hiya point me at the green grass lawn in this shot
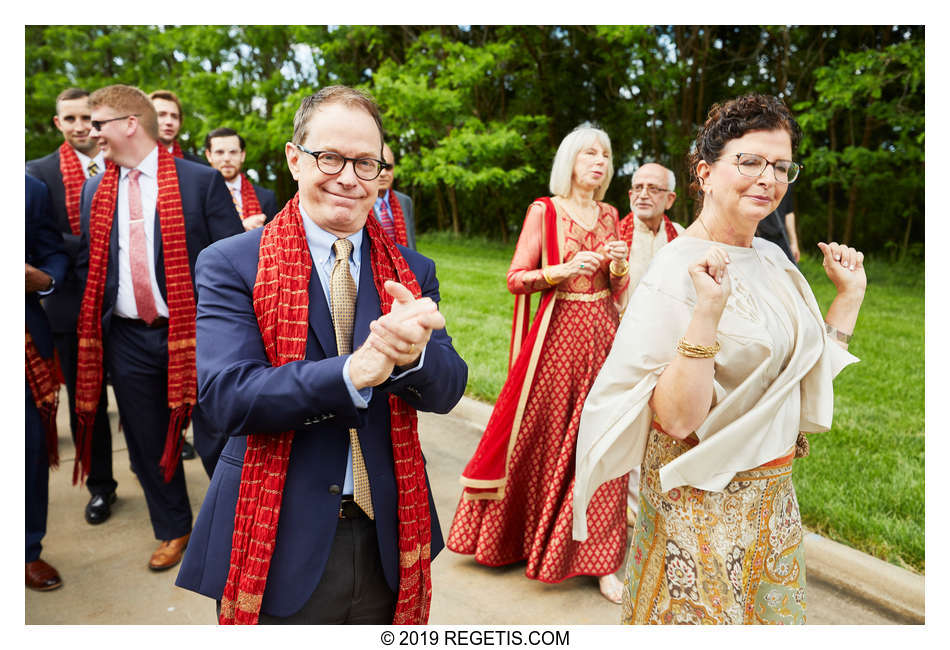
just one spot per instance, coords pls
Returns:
(863, 483)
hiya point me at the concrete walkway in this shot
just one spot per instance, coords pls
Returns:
(107, 582)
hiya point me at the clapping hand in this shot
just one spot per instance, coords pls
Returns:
(395, 339)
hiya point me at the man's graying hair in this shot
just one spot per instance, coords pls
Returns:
(345, 95)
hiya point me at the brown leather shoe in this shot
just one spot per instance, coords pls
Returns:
(168, 554)
(42, 577)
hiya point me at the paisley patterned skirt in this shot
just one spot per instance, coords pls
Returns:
(730, 557)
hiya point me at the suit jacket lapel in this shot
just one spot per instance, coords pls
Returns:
(321, 323)
(367, 300)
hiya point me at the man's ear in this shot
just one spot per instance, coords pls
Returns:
(293, 160)
(669, 200)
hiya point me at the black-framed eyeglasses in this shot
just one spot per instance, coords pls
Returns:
(750, 164)
(330, 162)
(97, 124)
(652, 189)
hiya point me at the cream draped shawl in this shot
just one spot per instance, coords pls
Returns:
(773, 374)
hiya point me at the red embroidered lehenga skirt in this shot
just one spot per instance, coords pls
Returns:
(533, 520)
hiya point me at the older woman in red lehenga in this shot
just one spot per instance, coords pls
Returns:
(517, 502)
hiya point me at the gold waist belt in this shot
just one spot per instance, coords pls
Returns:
(583, 297)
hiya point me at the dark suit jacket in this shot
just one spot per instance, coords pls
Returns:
(405, 202)
(209, 216)
(62, 306)
(268, 201)
(201, 160)
(238, 385)
(44, 250)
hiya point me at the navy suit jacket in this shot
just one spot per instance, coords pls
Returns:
(242, 392)
(62, 306)
(268, 201)
(209, 216)
(44, 250)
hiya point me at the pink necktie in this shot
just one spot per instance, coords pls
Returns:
(386, 220)
(138, 253)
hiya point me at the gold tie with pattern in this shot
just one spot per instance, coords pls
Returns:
(93, 168)
(343, 302)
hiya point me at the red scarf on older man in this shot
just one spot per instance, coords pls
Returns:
(182, 377)
(281, 304)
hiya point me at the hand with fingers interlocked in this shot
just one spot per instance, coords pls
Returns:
(396, 339)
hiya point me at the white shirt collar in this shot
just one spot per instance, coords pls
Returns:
(148, 166)
(234, 184)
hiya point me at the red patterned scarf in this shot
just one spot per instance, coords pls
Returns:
(281, 304)
(399, 220)
(176, 149)
(73, 177)
(249, 203)
(41, 377)
(627, 226)
(182, 381)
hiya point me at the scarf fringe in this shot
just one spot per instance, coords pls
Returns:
(174, 440)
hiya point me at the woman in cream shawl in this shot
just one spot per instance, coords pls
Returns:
(720, 365)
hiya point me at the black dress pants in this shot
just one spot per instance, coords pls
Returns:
(353, 589)
(100, 480)
(137, 359)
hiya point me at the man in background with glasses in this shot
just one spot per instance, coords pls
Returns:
(317, 337)
(646, 229)
(394, 209)
(143, 222)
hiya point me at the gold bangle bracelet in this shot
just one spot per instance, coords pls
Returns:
(697, 351)
(626, 269)
(547, 278)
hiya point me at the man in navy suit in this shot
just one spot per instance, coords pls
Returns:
(46, 264)
(135, 351)
(72, 119)
(226, 150)
(333, 561)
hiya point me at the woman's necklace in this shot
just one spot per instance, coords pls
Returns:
(592, 211)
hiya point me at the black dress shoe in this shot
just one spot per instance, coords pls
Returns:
(99, 508)
(187, 451)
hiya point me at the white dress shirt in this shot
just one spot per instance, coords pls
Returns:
(148, 183)
(84, 161)
(234, 187)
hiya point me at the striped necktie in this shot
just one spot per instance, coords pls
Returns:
(236, 197)
(93, 168)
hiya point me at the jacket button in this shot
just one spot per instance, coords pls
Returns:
(335, 489)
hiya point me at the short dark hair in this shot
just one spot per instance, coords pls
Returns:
(733, 119)
(170, 96)
(68, 94)
(222, 132)
(335, 95)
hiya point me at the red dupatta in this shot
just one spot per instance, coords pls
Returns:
(486, 474)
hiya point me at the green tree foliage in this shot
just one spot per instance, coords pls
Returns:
(474, 113)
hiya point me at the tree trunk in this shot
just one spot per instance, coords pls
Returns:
(853, 194)
(830, 231)
(455, 210)
(440, 206)
(906, 242)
